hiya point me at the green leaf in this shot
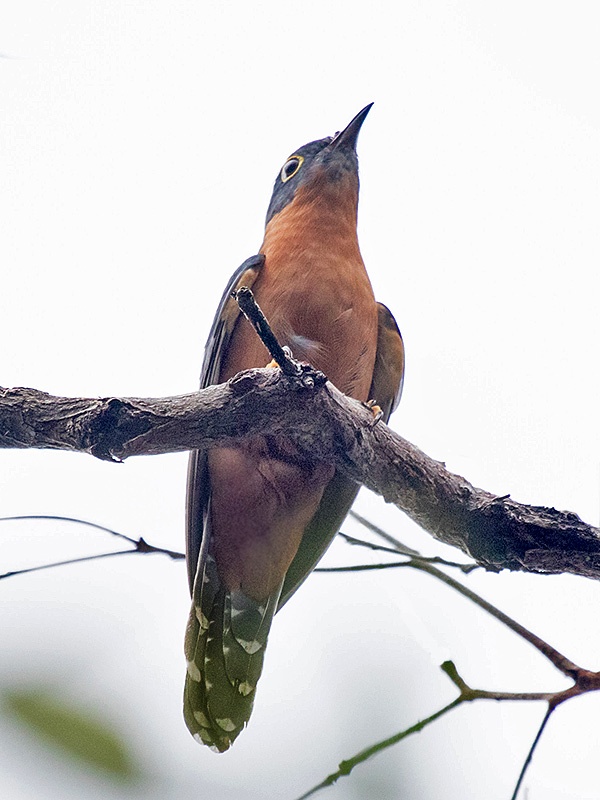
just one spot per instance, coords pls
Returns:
(76, 731)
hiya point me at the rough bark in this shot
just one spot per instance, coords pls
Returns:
(497, 532)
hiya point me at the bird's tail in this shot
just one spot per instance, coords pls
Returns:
(225, 645)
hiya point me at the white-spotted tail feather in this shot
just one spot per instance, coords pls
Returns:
(225, 644)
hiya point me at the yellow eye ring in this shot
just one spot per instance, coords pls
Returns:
(291, 167)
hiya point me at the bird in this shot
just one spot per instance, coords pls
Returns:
(260, 514)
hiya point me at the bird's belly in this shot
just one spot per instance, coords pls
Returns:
(260, 506)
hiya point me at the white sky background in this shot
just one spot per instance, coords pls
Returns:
(138, 147)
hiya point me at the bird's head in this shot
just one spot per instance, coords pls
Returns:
(326, 168)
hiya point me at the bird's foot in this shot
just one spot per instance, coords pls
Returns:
(375, 410)
(273, 364)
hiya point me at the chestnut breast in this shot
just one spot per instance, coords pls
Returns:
(315, 292)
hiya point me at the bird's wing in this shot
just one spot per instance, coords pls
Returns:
(388, 373)
(227, 633)
(386, 389)
(198, 488)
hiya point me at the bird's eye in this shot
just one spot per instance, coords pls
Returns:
(291, 167)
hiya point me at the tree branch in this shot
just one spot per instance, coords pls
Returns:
(497, 532)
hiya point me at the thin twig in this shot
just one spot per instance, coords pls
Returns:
(365, 567)
(466, 694)
(57, 518)
(139, 545)
(39, 568)
(561, 662)
(470, 694)
(346, 767)
(387, 537)
(253, 313)
(466, 568)
(535, 743)
(372, 546)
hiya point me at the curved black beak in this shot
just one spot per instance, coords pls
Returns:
(347, 138)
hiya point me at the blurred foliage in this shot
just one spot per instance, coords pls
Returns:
(72, 729)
